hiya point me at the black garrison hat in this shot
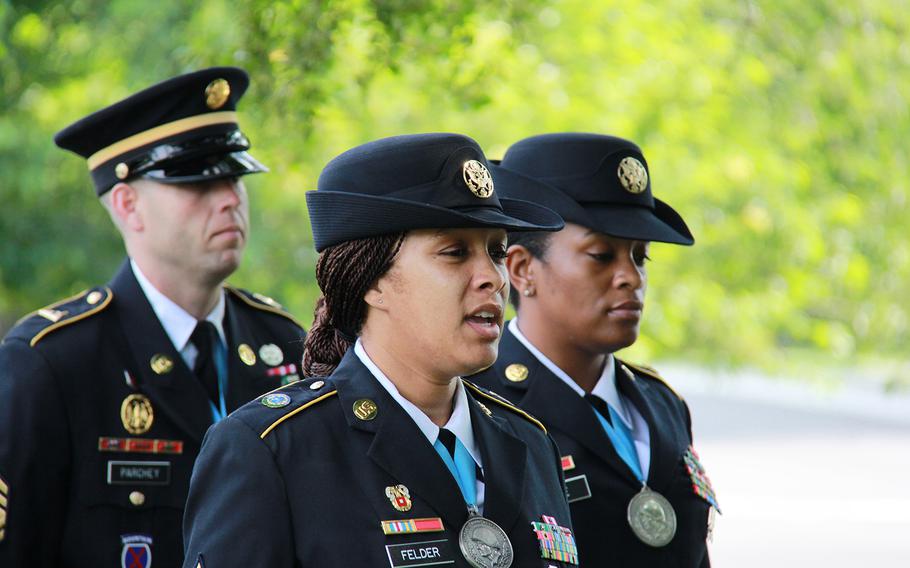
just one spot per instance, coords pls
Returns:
(418, 181)
(605, 177)
(182, 130)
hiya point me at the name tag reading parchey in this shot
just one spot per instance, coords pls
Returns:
(427, 553)
(138, 472)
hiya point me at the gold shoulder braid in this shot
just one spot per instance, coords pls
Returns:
(504, 403)
(68, 311)
(651, 372)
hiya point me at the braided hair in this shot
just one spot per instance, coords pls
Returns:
(344, 273)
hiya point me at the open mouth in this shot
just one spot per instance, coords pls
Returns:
(486, 321)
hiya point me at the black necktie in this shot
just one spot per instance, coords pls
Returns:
(447, 438)
(204, 337)
(600, 405)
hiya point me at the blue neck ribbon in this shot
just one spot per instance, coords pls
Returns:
(220, 354)
(622, 440)
(462, 468)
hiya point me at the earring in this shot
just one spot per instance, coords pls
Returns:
(528, 292)
(379, 301)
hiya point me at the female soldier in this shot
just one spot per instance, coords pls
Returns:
(384, 455)
(637, 492)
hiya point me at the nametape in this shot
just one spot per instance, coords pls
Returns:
(140, 445)
(429, 553)
(578, 488)
(138, 473)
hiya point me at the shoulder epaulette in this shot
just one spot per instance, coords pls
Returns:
(38, 324)
(501, 401)
(262, 302)
(292, 399)
(651, 372)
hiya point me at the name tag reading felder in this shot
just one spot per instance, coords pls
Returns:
(428, 553)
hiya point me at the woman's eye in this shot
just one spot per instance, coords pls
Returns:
(641, 258)
(604, 257)
(456, 252)
(499, 253)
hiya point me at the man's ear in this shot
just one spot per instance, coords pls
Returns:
(123, 200)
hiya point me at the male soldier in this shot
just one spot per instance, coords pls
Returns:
(105, 397)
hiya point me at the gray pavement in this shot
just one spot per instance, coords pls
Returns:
(805, 478)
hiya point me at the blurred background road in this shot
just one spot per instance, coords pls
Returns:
(805, 478)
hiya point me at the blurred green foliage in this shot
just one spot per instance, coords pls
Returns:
(775, 127)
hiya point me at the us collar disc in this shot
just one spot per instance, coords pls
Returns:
(652, 518)
(516, 372)
(478, 179)
(632, 175)
(484, 544)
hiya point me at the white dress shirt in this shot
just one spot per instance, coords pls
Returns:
(605, 388)
(459, 423)
(177, 322)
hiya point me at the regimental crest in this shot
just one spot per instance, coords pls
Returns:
(399, 496)
(701, 485)
(137, 414)
(478, 179)
(137, 551)
(556, 542)
(632, 175)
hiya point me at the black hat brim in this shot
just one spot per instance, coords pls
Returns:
(206, 168)
(337, 217)
(663, 224)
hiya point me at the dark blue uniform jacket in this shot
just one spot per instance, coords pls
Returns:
(600, 484)
(305, 484)
(81, 490)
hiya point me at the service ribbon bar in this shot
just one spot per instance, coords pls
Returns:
(556, 542)
(410, 526)
(140, 445)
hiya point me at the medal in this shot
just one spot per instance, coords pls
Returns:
(483, 543)
(652, 518)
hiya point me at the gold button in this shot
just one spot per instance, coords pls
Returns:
(137, 498)
(317, 385)
(217, 93)
(516, 372)
(121, 170)
(94, 297)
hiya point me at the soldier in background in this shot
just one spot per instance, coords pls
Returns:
(105, 396)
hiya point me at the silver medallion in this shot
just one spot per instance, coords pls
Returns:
(652, 518)
(484, 544)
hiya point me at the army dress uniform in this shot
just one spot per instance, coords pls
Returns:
(334, 472)
(600, 485)
(602, 183)
(101, 416)
(102, 420)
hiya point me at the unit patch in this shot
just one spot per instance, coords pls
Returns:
(140, 445)
(428, 553)
(409, 526)
(577, 488)
(556, 542)
(138, 472)
(137, 551)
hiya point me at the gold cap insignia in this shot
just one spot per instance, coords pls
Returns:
(399, 496)
(632, 175)
(478, 179)
(271, 354)
(161, 364)
(246, 354)
(94, 297)
(217, 93)
(137, 498)
(137, 414)
(516, 372)
(121, 170)
(365, 409)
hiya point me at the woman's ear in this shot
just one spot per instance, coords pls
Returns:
(374, 297)
(521, 271)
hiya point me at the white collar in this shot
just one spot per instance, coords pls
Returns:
(177, 322)
(459, 423)
(605, 387)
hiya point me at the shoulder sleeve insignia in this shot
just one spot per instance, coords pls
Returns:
(493, 397)
(38, 324)
(291, 400)
(649, 372)
(261, 302)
